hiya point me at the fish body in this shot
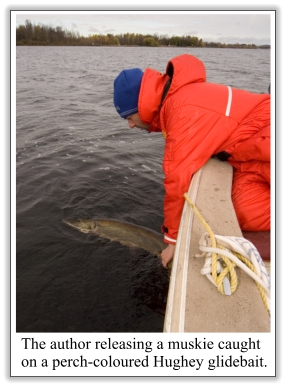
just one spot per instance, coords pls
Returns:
(127, 234)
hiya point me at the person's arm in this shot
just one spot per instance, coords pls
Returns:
(193, 136)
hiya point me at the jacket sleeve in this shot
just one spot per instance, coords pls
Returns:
(193, 136)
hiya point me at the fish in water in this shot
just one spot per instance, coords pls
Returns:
(127, 234)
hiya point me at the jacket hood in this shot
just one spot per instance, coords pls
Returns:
(151, 91)
(183, 69)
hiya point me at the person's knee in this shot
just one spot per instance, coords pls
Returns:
(251, 202)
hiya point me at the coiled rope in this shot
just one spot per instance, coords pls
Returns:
(227, 252)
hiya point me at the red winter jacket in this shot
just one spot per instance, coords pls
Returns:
(199, 119)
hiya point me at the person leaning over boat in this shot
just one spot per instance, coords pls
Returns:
(199, 120)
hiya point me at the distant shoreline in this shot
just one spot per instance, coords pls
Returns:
(41, 35)
(263, 47)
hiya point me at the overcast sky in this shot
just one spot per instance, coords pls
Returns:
(225, 27)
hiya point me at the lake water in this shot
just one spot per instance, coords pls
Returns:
(76, 158)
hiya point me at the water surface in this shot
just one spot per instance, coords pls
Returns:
(76, 158)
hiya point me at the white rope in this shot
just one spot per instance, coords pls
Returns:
(207, 270)
(241, 246)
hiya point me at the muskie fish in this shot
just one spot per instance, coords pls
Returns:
(127, 234)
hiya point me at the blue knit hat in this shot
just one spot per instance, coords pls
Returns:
(126, 91)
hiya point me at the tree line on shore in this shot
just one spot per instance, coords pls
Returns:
(41, 35)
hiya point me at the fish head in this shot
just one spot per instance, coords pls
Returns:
(83, 225)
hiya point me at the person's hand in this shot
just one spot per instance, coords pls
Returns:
(167, 254)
